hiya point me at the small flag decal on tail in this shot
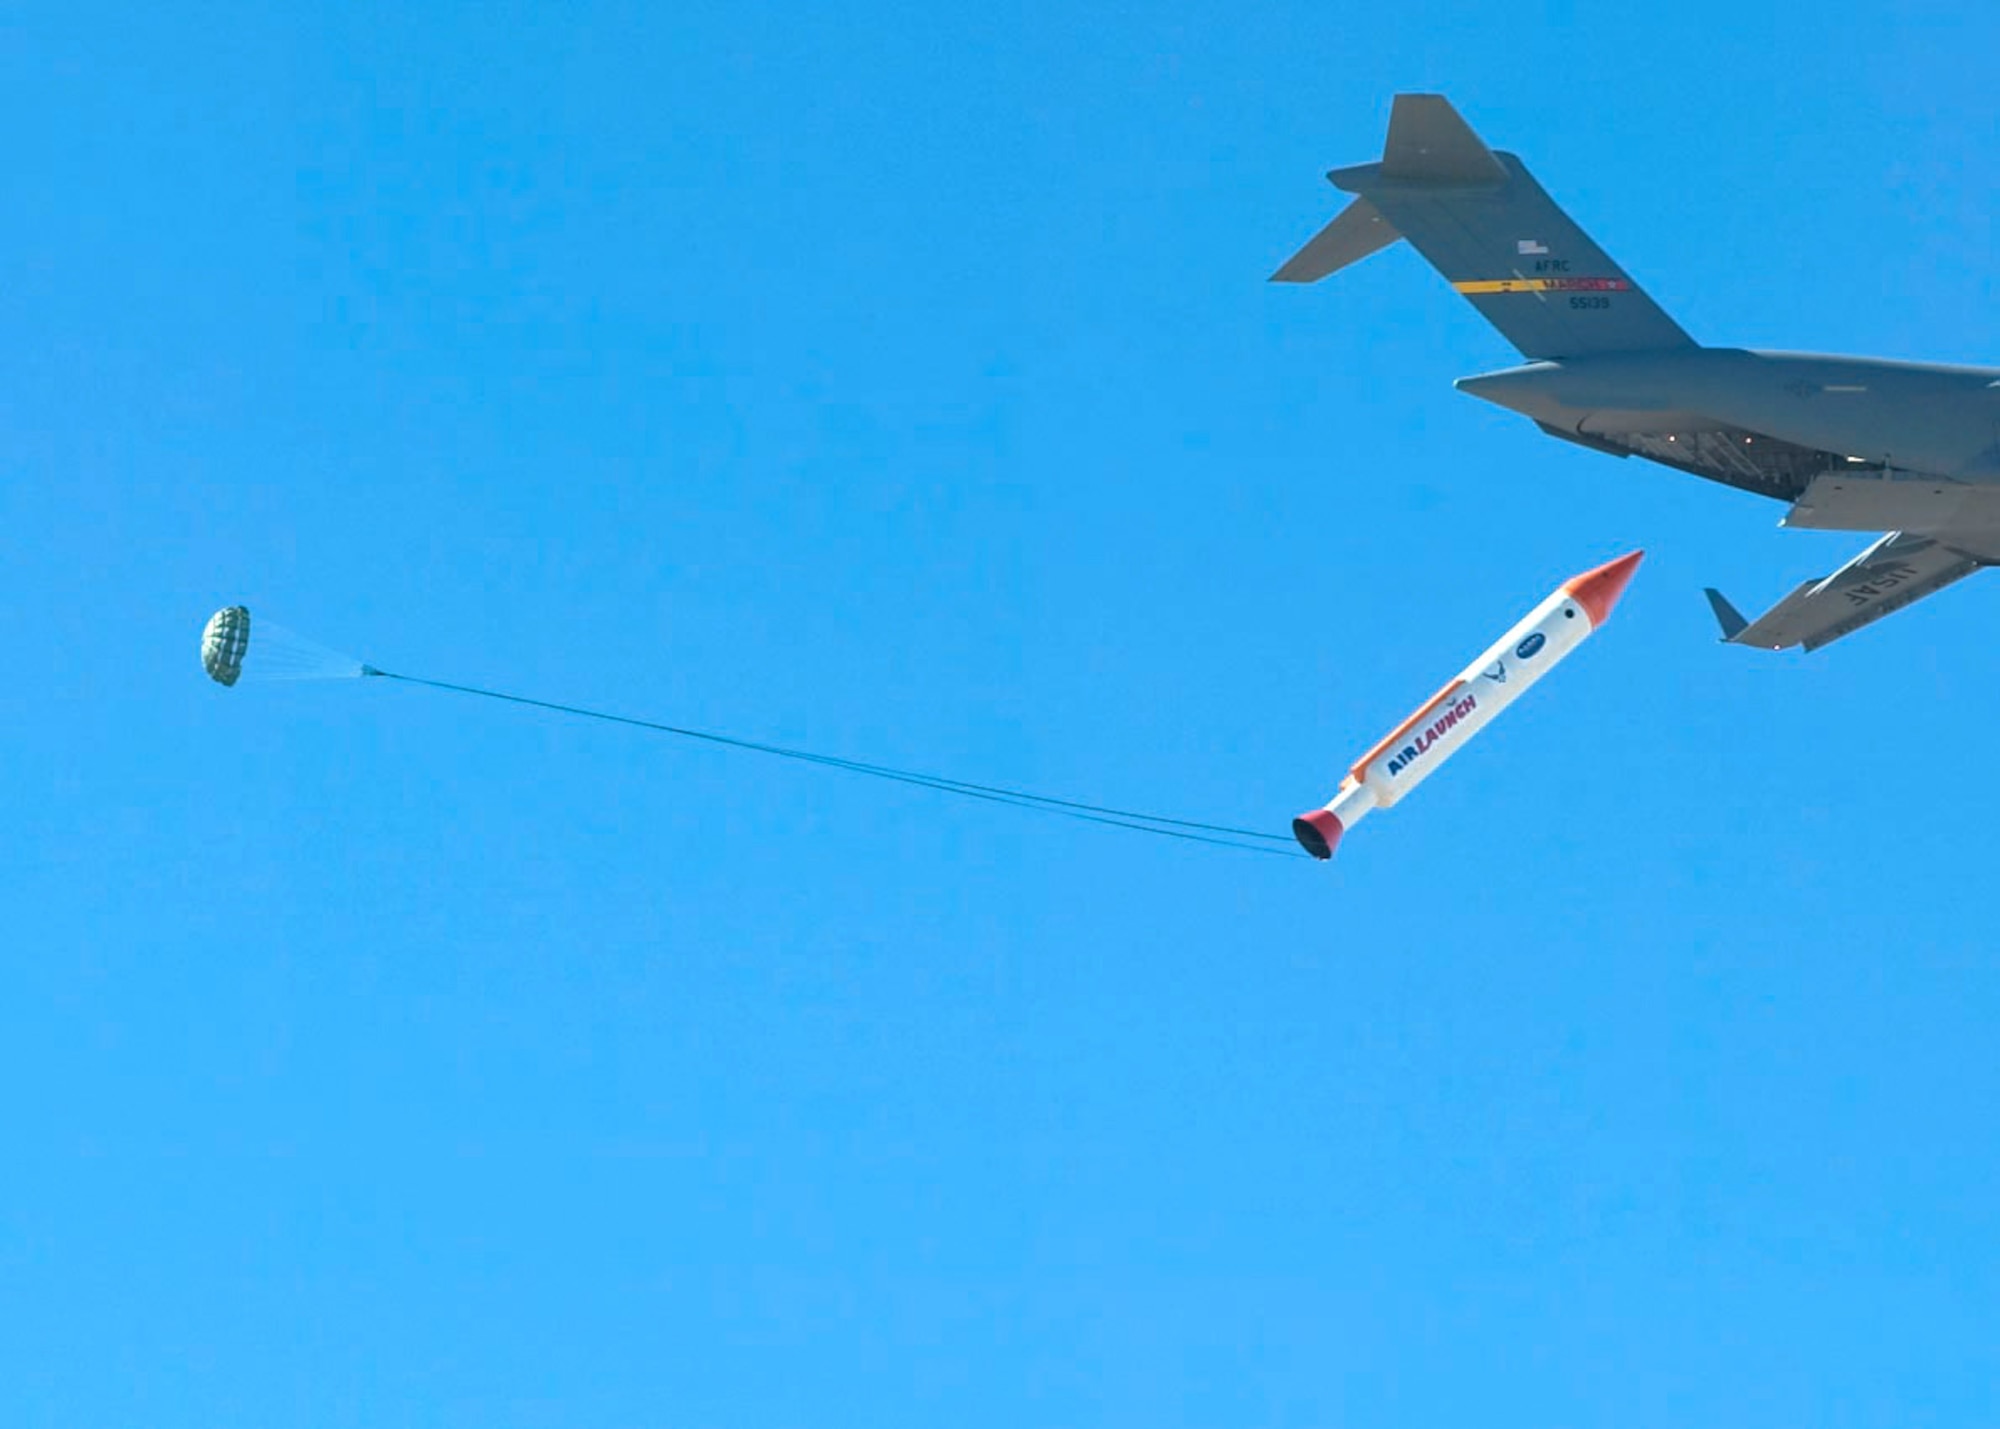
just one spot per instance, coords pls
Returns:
(1529, 245)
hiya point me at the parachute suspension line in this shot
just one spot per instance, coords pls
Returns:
(1193, 831)
(281, 653)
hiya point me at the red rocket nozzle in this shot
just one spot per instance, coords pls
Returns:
(1597, 591)
(1318, 832)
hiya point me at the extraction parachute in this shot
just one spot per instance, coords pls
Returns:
(224, 641)
(227, 654)
(279, 654)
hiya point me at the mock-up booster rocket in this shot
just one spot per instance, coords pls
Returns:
(1443, 724)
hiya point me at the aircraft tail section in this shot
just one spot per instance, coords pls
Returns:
(1478, 217)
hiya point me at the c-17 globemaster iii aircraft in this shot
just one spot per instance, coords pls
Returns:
(1852, 444)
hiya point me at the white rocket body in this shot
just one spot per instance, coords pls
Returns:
(1445, 723)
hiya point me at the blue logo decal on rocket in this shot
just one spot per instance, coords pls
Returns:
(1528, 648)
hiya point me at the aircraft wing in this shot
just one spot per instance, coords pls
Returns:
(1898, 570)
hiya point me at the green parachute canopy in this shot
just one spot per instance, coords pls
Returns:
(225, 640)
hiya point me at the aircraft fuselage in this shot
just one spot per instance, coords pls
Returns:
(1937, 420)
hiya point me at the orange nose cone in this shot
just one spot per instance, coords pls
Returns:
(1597, 591)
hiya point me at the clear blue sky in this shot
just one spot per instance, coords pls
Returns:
(903, 382)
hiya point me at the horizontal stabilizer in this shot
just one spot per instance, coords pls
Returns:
(1358, 231)
(1897, 571)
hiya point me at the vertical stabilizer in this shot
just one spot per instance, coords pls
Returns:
(1478, 217)
(1430, 144)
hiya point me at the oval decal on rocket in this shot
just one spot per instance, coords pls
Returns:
(1528, 648)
